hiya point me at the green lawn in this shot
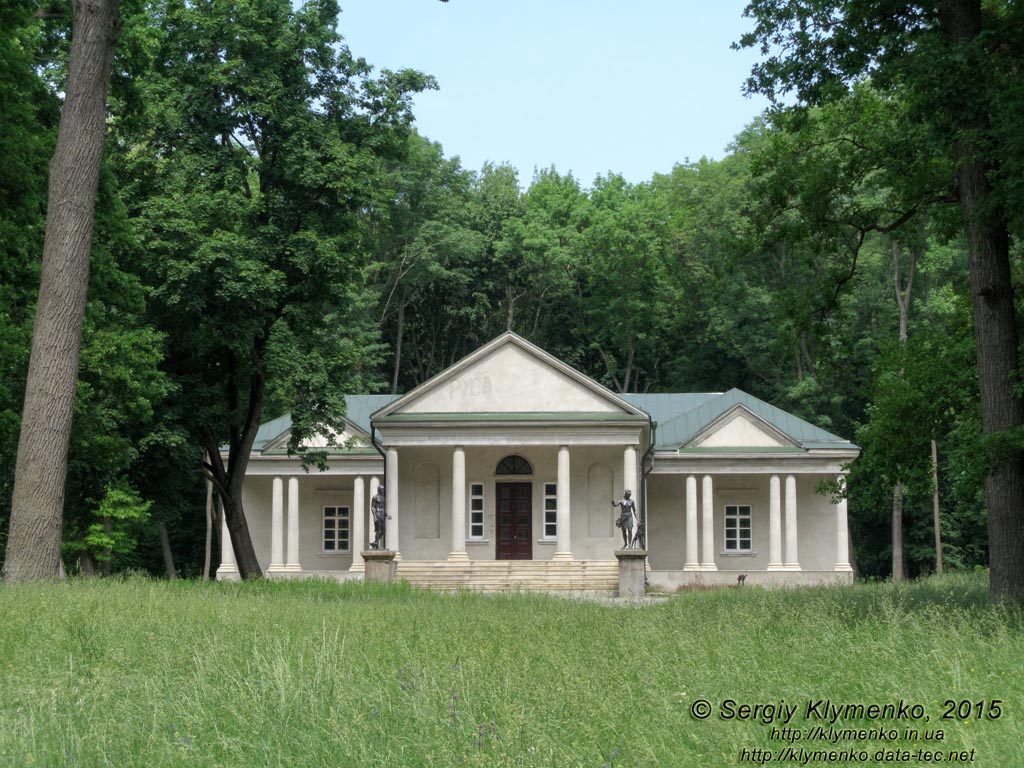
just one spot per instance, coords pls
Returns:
(151, 673)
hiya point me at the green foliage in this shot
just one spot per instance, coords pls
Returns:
(923, 389)
(115, 526)
(255, 153)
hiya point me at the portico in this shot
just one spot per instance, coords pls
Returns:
(501, 471)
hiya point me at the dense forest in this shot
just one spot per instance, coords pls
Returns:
(271, 232)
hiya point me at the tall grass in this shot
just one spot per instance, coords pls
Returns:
(152, 673)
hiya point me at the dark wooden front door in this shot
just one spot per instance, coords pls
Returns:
(515, 522)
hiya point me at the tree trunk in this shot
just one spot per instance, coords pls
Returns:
(165, 549)
(898, 569)
(935, 508)
(208, 550)
(398, 346)
(37, 502)
(229, 479)
(995, 322)
(241, 541)
(87, 565)
(108, 555)
(903, 291)
(510, 308)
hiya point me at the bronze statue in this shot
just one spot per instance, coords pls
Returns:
(379, 510)
(626, 519)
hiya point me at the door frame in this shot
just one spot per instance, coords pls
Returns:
(528, 484)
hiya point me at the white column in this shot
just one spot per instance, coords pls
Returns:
(775, 524)
(277, 527)
(458, 505)
(391, 494)
(792, 559)
(692, 558)
(358, 525)
(228, 570)
(842, 538)
(629, 473)
(708, 524)
(293, 565)
(563, 541)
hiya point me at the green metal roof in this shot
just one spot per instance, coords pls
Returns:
(680, 417)
(357, 409)
(683, 427)
(506, 416)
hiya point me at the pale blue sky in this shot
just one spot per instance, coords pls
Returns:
(589, 86)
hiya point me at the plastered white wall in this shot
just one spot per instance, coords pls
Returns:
(507, 381)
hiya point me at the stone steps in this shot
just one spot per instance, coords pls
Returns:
(513, 575)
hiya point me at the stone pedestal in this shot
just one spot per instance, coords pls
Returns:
(632, 571)
(380, 565)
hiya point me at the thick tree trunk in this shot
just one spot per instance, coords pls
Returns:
(165, 550)
(995, 322)
(37, 502)
(241, 541)
(898, 569)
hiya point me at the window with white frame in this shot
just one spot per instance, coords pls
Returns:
(476, 510)
(336, 531)
(737, 528)
(550, 510)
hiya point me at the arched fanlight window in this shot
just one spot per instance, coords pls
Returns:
(514, 465)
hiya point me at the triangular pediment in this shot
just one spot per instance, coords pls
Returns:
(351, 435)
(741, 428)
(510, 375)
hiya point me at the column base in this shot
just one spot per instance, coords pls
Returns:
(357, 568)
(228, 573)
(292, 568)
(844, 567)
(775, 567)
(691, 566)
(708, 567)
(458, 557)
(563, 556)
(791, 567)
(276, 568)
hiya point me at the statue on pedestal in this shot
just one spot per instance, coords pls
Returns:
(627, 519)
(379, 510)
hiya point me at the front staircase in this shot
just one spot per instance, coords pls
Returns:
(593, 576)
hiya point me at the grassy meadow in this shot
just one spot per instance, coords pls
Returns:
(140, 672)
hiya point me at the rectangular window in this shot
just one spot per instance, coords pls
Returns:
(737, 528)
(476, 510)
(550, 510)
(336, 530)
